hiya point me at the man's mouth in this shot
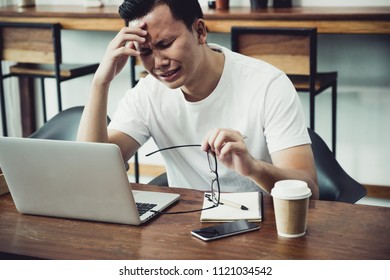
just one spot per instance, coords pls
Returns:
(168, 73)
(169, 76)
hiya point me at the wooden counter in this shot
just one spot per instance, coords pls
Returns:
(339, 20)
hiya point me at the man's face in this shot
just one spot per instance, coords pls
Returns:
(170, 50)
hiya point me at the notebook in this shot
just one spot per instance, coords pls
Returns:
(76, 180)
(234, 206)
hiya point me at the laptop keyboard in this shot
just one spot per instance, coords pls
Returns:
(144, 207)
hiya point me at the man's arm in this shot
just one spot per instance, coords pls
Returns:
(93, 124)
(292, 163)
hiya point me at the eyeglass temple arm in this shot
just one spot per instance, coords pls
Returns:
(173, 147)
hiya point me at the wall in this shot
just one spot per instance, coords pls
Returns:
(363, 64)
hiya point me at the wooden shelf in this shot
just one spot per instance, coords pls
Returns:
(339, 20)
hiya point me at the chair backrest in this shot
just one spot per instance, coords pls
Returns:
(333, 182)
(30, 42)
(292, 50)
(63, 126)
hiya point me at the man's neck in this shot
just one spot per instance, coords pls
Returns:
(207, 78)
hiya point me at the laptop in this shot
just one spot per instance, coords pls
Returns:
(75, 180)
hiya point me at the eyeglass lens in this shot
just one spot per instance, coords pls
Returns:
(215, 188)
(212, 161)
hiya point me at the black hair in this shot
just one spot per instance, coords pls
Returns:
(185, 10)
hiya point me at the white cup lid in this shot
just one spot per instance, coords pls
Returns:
(291, 189)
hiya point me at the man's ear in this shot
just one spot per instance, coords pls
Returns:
(201, 30)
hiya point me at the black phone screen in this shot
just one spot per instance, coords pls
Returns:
(224, 230)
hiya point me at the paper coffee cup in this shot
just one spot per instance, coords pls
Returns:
(291, 204)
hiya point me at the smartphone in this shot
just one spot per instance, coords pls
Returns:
(224, 230)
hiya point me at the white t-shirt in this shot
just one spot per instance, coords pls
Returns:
(252, 97)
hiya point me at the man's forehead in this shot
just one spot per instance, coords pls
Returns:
(160, 25)
(155, 37)
(160, 14)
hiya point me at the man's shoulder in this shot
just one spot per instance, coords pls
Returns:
(239, 62)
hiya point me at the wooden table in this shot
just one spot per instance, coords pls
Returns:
(335, 231)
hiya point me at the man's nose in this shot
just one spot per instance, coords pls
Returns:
(160, 60)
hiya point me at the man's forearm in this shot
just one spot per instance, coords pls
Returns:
(93, 124)
(266, 175)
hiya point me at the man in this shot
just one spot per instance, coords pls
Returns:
(243, 110)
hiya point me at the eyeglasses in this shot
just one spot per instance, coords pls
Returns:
(215, 186)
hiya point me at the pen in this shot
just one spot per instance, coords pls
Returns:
(232, 204)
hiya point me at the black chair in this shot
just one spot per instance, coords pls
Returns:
(294, 51)
(63, 126)
(160, 180)
(35, 48)
(333, 182)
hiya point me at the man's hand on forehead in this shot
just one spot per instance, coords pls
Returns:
(137, 23)
(137, 32)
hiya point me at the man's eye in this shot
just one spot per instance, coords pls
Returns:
(167, 45)
(145, 52)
